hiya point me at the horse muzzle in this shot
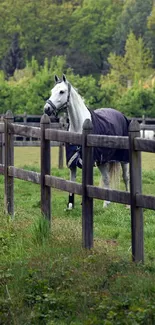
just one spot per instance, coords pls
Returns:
(50, 108)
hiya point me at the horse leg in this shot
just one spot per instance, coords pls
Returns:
(105, 173)
(125, 174)
(70, 204)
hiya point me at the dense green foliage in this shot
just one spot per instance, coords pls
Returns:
(137, 102)
(84, 30)
(29, 88)
(104, 47)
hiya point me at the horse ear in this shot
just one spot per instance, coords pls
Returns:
(56, 78)
(64, 78)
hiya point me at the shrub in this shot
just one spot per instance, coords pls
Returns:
(138, 101)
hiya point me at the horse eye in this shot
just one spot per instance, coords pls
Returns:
(61, 92)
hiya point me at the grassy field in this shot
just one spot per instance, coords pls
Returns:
(31, 157)
(48, 279)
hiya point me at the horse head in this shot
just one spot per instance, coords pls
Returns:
(60, 95)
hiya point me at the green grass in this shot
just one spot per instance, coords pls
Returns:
(31, 157)
(46, 276)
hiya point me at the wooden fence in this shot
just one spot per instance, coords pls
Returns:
(60, 123)
(45, 133)
(57, 123)
(29, 141)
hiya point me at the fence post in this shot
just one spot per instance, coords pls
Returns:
(2, 153)
(9, 161)
(61, 156)
(136, 187)
(143, 122)
(25, 122)
(62, 122)
(1, 149)
(45, 168)
(87, 179)
(1, 145)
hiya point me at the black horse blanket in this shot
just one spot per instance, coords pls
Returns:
(106, 121)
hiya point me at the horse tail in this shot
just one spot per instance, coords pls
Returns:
(114, 169)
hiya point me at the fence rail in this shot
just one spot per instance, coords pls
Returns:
(31, 136)
(135, 198)
(32, 139)
(62, 122)
(35, 118)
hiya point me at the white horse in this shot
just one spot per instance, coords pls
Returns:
(64, 96)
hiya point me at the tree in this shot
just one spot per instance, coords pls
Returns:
(133, 18)
(151, 32)
(85, 31)
(151, 18)
(13, 59)
(135, 64)
(92, 30)
(43, 27)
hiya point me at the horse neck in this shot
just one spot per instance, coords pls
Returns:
(77, 112)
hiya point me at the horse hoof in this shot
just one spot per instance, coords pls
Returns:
(127, 206)
(105, 204)
(69, 207)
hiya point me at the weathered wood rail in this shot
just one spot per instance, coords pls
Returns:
(135, 198)
(57, 123)
(32, 139)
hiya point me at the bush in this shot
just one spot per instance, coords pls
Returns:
(28, 90)
(5, 96)
(110, 93)
(138, 101)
